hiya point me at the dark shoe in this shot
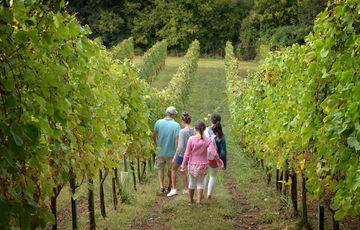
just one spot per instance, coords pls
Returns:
(161, 191)
(209, 198)
(190, 202)
(168, 189)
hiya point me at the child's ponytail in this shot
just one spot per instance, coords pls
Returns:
(200, 126)
(215, 119)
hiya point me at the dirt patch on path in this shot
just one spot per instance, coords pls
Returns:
(245, 216)
(152, 220)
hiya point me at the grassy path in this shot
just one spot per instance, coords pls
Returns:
(242, 200)
(174, 212)
(166, 74)
(229, 208)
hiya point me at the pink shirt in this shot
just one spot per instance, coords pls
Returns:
(196, 152)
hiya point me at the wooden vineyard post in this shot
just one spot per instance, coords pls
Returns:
(53, 204)
(138, 169)
(153, 158)
(277, 179)
(133, 173)
(102, 198)
(73, 201)
(281, 183)
(304, 204)
(335, 223)
(91, 205)
(143, 170)
(294, 199)
(113, 180)
(321, 217)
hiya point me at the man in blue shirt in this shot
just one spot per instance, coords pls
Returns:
(166, 136)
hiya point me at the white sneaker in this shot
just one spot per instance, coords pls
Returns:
(173, 192)
(186, 191)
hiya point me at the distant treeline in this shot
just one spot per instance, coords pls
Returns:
(247, 23)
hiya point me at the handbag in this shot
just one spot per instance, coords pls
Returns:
(209, 133)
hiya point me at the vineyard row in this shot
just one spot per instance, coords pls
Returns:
(299, 113)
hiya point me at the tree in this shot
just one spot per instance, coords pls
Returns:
(110, 20)
(180, 22)
(277, 24)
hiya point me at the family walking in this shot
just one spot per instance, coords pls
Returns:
(196, 149)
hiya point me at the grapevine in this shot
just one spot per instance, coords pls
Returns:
(67, 109)
(302, 108)
(152, 61)
(124, 49)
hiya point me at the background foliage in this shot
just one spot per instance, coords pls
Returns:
(213, 22)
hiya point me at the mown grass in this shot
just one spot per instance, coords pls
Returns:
(166, 74)
(208, 91)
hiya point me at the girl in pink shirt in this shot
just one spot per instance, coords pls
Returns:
(196, 156)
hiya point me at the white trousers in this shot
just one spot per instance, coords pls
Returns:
(212, 180)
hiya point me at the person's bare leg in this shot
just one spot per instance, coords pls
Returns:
(184, 176)
(200, 195)
(169, 178)
(173, 174)
(191, 194)
(161, 177)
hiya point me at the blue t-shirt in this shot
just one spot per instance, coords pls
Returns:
(167, 130)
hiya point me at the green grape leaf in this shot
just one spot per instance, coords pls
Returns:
(340, 214)
(32, 132)
(6, 14)
(16, 132)
(324, 52)
(353, 142)
(30, 21)
(11, 102)
(21, 36)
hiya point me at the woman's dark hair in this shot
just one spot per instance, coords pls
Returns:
(215, 119)
(185, 116)
(200, 126)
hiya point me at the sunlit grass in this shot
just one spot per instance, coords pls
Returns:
(166, 74)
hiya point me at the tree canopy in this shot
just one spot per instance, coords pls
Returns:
(213, 22)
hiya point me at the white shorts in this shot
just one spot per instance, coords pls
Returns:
(199, 182)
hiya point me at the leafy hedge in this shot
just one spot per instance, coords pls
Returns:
(301, 109)
(177, 90)
(124, 49)
(152, 61)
